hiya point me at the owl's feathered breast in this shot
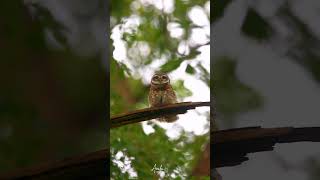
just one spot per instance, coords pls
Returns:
(161, 95)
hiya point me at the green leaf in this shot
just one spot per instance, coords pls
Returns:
(256, 26)
(120, 8)
(219, 7)
(190, 69)
(180, 89)
(194, 52)
(171, 65)
(232, 96)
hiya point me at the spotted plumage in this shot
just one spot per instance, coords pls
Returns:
(161, 93)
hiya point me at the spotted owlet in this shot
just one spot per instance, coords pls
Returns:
(161, 93)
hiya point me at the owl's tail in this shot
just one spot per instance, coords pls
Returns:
(168, 119)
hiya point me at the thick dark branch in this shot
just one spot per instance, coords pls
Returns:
(95, 165)
(154, 112)
(89, 166)
(230, 147)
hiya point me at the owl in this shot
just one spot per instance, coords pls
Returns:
(161, 93)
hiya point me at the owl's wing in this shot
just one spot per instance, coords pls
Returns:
(173, 96)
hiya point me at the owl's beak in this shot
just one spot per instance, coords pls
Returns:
(155, 82)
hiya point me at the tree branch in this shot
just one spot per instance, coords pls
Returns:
(154, 112)
(95, 165)
(230, 147)
(89, 166)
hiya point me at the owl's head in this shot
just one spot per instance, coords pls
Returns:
(160, 79)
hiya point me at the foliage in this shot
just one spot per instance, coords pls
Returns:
(219, 8)
(255, 26)
(52, 100)
(232, 96)
(154, 149)
(263, 28)
(148, 41)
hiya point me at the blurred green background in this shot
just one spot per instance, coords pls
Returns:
(52, 98)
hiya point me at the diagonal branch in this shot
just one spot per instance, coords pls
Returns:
(95, 165)
(230, 147)
(154, 112)
(89, 166)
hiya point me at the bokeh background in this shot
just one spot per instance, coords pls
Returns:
(266, 67)
(53, 78)
(172, 36)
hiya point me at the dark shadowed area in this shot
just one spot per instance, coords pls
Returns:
(53, 80)
(266, 67)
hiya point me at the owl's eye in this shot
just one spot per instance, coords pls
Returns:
(155, 78)
(164, 77)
